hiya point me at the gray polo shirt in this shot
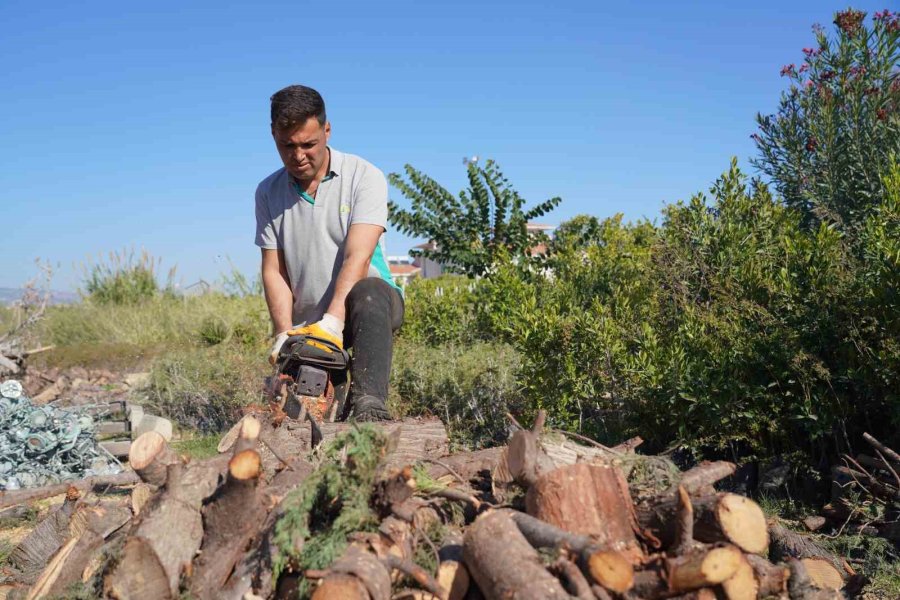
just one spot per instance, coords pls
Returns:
(312, 231)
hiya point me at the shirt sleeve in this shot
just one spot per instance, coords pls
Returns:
(370, 199)
(265, 228)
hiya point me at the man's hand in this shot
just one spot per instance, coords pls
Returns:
(280, 339)
(330, 329)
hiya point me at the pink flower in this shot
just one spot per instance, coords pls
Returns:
(788, 70)
(804, 68)
(849, 21)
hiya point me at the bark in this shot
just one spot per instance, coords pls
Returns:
(67, 566)
(150, 456)
(12, 498)
(162, 544)
(357, 574)
(576, 583)
(587, 499)
(503, 563)
(771, 580)
(607, 568)
(231, 517)
(412, 439)
(468, 466)
(253, 570)
(30, 556)
(790, 544)
(664, 577)
(887, 452)
(452, 573)
(705, 474)
(526, 460)
(722, 517)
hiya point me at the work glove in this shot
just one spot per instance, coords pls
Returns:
(280, 339)
(329, 329)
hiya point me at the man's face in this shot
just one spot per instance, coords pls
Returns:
(303, 150)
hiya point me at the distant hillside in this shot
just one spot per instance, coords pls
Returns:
(10, 295)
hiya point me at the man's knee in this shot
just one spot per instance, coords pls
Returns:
(367, 292)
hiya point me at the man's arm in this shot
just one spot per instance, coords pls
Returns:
(277, 288)
(361, 241)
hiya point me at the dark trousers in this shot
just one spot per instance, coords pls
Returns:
(374, 312)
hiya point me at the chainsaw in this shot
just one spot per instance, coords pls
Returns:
(311, 375)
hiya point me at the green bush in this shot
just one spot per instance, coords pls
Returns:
(205, 388)
(439, 311)
(836, 126)
(470, 387)
(123, 279)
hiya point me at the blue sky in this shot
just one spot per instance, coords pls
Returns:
(146, 125)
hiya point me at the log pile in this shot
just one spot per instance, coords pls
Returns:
(271, 517)
(865, 494)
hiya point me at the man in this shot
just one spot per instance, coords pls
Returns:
(319, 223)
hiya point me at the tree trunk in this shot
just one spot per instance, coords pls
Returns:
(705, 475)
(720, 518)
(14, 497)
(588, 499)
(503, 563)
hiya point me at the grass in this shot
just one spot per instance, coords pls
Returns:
(198, 447)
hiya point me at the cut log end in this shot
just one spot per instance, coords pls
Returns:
(245, 465)
(705, 568)
(611, 570)
(744, 523)
(250, 427)
(823, 574)
(341, 587)
(743, 584)
(145, 449)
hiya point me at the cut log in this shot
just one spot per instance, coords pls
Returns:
(416, 438)
(719, 518)
(587, 499)
(504, 564)
(705, 474)
(66, 566)
(526, 459)
(452, 573)
(468, 466)
(356, 571)
(161, 546)
(888, 453)
(14, 497)
(607, 568)
(791, 544)
(30, 556)
(150, 456)
(230, 519)
(140, 495)
(743, 585)
(663, 577)
(801, 587)
(771, 580)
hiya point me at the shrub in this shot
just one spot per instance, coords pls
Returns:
(205, 389)
(123, 279)
(836, 127)
(470, 387)
(439, 311)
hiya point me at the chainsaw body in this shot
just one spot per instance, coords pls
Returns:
(315, 370)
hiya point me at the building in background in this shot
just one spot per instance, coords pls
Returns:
(403, 269)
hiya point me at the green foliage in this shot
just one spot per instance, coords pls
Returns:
(439, 310)
(123, 279)
(839, 122)
(469, 231)
(205, 388)
(198, 447)
(214, 330)
(331, 503)
(469, 386)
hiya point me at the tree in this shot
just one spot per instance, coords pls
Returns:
(470, 231)
(839, 122)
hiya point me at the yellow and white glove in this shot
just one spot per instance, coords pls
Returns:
(329, 328)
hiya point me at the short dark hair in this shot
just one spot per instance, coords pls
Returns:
(295, 104)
